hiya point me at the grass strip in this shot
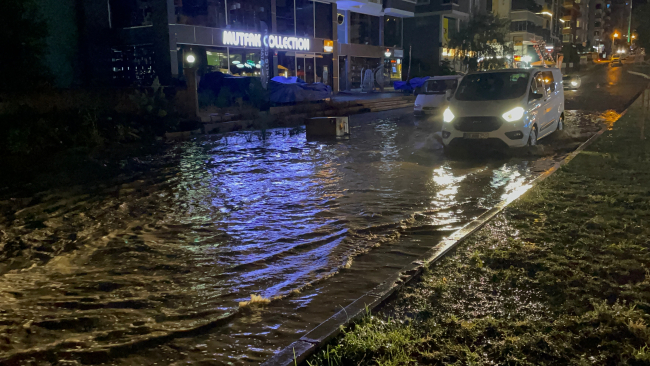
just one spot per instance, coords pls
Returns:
(561, 277)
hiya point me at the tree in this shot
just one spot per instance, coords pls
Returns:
(24, 48)
(640, 17)
(483, 42)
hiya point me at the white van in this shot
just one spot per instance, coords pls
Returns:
(432, 98)
(514, 106)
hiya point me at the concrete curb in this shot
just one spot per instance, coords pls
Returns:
(638, 74)
(298, 351)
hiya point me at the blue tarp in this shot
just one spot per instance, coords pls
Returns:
(410, 85)
(293, 89)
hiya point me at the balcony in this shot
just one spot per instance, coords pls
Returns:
(399, 8)
(567, 31)
(526, 15)
(370, 7)
(567, 18)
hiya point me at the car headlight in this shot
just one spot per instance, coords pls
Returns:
(447, 116)
(514, 114)
(574, 83)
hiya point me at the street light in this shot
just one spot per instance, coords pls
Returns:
(190, 59)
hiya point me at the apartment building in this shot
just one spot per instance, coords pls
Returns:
(122, 42)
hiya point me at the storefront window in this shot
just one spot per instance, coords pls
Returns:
(284, 17)
(324, 69)
(364, 29)
(304, 18)
(324, 21)
(207, 13)
(217, 59)
(392, 71)
(392, 31)
(249, 14)
(286, 64)
(244, 62)
(358, 67)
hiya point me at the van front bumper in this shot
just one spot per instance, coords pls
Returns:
(512, 134)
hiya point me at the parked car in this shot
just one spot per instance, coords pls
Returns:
(432, 98)
(513, 107)
(571, 82)
(615, 58)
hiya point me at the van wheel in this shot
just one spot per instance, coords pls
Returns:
(560, 123)
(532, 138)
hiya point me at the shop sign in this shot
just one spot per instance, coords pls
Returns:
(245, 39)
(328, 45)
(399, 53)
(242, 39)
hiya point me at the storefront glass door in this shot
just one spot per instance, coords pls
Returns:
(305, 67)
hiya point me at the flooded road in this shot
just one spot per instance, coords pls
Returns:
(155, 268)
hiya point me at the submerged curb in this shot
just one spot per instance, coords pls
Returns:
(298, 351)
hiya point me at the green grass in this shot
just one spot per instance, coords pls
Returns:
(561, 277)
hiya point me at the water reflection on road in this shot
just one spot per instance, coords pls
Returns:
(152, 269)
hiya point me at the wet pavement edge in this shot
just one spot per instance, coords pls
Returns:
(298, 351)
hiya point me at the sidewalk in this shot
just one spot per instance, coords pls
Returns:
(560, 277)
(348, 97)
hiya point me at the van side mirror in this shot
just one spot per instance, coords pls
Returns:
(448, 94)
(536, 96)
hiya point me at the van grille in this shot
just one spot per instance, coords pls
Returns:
(478, 124)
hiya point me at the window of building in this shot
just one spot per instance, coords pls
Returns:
(244, 62)
(392, 31)
(597, 24)
(578, 23)
(285, 17)
(452, 24)
(217, 59)
(567, 38)
(130, 13)
(133, 65)
(304, 18)
(596, 33)
(364, 29)
(608, 5)
(423, 2)
(324, 21)
(249, 14)
(286, 64)
(599, 6)
(488, 5)
(207, 13)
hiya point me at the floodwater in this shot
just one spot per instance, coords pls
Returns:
(151, 269)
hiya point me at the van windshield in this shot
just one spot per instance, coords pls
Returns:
(439, 86)
(493, 86)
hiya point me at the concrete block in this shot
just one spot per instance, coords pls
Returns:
(300, 349)
(332, 326)
(327, 127)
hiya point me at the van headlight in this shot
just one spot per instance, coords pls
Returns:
(574, 83)
(447, 116)
(514, 114)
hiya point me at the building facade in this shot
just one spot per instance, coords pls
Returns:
(333, 42)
